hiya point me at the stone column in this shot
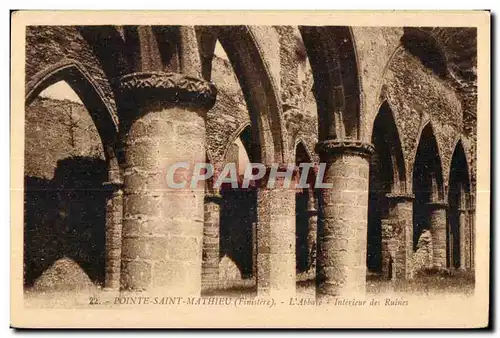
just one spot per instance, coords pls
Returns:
(276, 274)
(437, 222)
(312, 230)
(114, 214)
(342, 237)
(189, 56)
(389, 246)
(163, 225)
(254, 251)
(468, 239)
(472, 230)
(462, 234)
(211, 241)
(471, 239)
(401, 242)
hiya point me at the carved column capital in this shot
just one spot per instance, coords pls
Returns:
(437, 205)
(400, 197)
(345, 146)
(169, 87)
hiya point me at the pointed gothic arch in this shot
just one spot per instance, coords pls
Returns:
(337, 85)
(238, 213)
(427, 180)
(459, 241)
(91, 96)
(387, 176)
(258, 87)
(97, 182)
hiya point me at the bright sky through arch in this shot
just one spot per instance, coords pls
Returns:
(60, 91)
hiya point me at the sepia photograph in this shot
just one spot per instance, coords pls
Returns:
(171, 170)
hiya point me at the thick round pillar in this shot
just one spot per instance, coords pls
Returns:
(211, 241)
(472, 231)
(342, 234)
(389, 246)
(469, 241)
(276, 274)
(114, 213)
(463, 237)
(437, 222)
(163, 224)
(401, 218)
(312, 231)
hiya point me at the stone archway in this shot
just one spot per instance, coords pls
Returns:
(337, 87)
(92, 97)
(91, 180)
(239, 212)
(256, 82)
(459, 232)
(275, 268)
(388, 223)
(429, 208)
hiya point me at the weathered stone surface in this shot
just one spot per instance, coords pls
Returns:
(422, 258)
(342, 238)
(160, 238)
(438, 219)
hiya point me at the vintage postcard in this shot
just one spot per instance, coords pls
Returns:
(250, 169)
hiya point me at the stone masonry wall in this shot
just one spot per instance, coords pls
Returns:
(64, 202)
(299, 103)
(375, 47)
(416, 96)
(56, 130)
(229, 115)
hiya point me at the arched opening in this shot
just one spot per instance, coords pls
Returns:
(458, 200)
(387, 175)
(428, 191)
(262, 141)
(239, 214)
(256, 84)
(66, 165)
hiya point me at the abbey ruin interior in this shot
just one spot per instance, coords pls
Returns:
(390, 110)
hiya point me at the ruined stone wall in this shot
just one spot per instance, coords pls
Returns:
(64, 200)
(417, 96)
(422, 257)
(56, 130)
(296, 92)
(375, 47)
(229, 115)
